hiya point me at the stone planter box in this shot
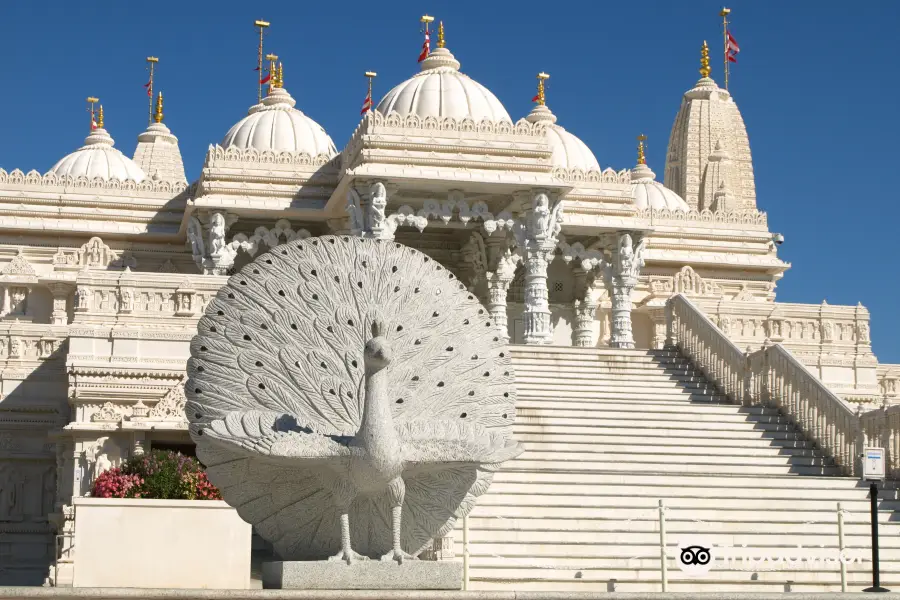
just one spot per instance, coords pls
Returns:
(135, 543)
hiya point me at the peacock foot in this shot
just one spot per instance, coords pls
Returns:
(348, 557)
(399, 556)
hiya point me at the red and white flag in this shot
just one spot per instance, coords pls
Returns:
(93, 124)
(731, 48)
(426, 46)
(266, 79)
(147, 87)
(536, 98)
(367, 104)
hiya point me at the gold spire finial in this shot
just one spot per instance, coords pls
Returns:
(280, 75)
(100, 117)
(273, 71)
(704, 60)
(642, 160)
(158, 116)
(440, 42)
(541, 98)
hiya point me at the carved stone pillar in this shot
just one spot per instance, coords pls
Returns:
(4, 310)
(537, 234)
(585, 306)
(627, 263)
(60, 291)
(502, 262)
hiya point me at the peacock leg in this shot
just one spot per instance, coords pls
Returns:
(396, 491)
(346, 554)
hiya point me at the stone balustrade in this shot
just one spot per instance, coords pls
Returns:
(773, 377)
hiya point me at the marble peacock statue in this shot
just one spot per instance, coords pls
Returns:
(349, 395)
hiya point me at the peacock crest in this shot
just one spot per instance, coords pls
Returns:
(337, 383)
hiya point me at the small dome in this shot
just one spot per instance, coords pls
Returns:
(569, 152)
(440, 90)
(98, 158)
(276, 125)
(649, 193)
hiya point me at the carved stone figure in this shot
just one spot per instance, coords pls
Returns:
(628, 262)
(82, 299)
(863, 329)
(377, 205)
(217, 231)
(17, 300)
(350, 398)
(355, 212)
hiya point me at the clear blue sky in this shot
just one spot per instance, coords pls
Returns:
(817, 83)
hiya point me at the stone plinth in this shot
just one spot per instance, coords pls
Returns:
(363, 575)
(137, 543)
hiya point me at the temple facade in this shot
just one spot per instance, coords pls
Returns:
(107, 262)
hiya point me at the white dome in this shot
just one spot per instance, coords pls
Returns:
(440, 90)
(98, 158)
(569, 152)
(649, 193)
(277, 125)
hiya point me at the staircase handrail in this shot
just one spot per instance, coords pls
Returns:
(772, 377)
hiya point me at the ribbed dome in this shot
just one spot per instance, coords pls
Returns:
(277, 125)
(440, 90)
(649, 193)
(569, 152)
(98, 158)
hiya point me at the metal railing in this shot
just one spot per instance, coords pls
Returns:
(773, 377)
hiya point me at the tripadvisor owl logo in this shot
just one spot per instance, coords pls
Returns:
(695, 555)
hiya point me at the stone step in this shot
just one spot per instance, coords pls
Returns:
(858, 526)
(603, 459)
(694, 480)
(662, 406)
(534, 435)
(656, 448)
(602, 387)
(680, 396)
(675, 468)
(636, 414)
(650, 421)
(634, 369)
(679, 507)
(527, 381)
(493, 509)
(523, 429)
(587, 396)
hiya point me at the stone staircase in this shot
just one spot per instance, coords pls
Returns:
(608, 434)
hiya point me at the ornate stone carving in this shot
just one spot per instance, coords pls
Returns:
(83, 296)
(341, 347)
(184, 299)
(93, 255)
(126, 300)
(19, 266)
(207, 241)
(537, 234)
(628, 261)
(108, 413)
(169, 266)
(367, 214)
(18, 300)
(171, 407)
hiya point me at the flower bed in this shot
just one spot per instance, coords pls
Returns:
(161, 475)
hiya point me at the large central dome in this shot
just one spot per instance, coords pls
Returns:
(440, 90)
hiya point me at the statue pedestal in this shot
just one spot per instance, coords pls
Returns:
(362, 575)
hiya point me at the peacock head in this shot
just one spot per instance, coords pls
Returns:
(378, 353)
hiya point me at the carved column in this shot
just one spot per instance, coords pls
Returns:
(502, 262)
(585, 307)
(537, 234)
(627, 263)
(60, 291)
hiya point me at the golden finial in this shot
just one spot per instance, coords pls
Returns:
(440, 42)
(541, 97)
(642, 160)
(704, 60)
(273, 71)
(100, 117)
(280, 82)
(158, 117)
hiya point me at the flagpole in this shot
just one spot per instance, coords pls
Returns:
(91, 100)
(724, 14)
(151, 61)
(259, 56)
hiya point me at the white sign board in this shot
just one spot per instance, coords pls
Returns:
(873, 463)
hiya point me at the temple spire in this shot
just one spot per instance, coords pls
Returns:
(440, 42)
(642, 160)
(541, 97)
(704, 60)
(273, 72)
(100, 117)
